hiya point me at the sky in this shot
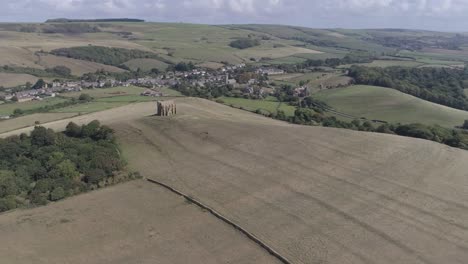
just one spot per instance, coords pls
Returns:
(442, 15)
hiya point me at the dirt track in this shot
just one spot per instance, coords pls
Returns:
(316, 195)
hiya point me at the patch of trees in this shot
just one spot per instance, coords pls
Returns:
(352, 58)
(100, 75)
(57, 71)
(207, 91)
(68, 20)
(48, 166)
(244, 43)
(70, 29)
(105, 55)
(439, 85)
(181, 67)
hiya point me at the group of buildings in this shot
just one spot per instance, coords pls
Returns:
(226, 75)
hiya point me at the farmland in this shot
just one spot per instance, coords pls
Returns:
(145, 214)
(268, 105)
(390, 105)
(7, 109)
(12, 79)
(312, 194)
(342, 196)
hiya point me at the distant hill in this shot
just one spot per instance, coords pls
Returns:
(67, 20)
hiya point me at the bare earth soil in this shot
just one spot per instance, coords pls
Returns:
(315, 195)
(130, 223)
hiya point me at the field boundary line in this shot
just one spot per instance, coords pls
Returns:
(249, 235)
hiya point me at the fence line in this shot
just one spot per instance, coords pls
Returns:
(226, 220)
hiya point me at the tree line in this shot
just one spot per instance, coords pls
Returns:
(443, 86)
(106, 55)
(310, 111)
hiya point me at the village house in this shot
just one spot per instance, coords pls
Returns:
(270, 71)
(152, 93)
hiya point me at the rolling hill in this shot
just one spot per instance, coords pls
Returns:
(315, 195)
(177, 42)
(390, 105)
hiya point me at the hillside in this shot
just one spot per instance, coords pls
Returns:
(175, 42)
(390, 105)
(146, 225)
(315, 195)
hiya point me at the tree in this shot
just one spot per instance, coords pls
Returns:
(7, 184)
(90, 129)
(465, 124)
(14, 99)
(18, 112)
(85, 97)
(94, 176)
(41, 136)
(62, 70)
(57, 194)
(67, 169)
(39, 84)
(73, 130)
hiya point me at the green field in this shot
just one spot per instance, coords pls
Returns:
(107, 92)
(390, 105)
(89, 107)
(269, 105)
(7, 109)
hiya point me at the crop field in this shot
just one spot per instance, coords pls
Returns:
(146, 225)
(337, 196)
(270, 106)
(7, 109)
(90, 107)
(13, 79)
(390, 105)
(108, 92)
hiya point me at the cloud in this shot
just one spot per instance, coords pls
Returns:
(316, 13)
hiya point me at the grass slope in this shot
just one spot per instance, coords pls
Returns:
(111, 228)
(390, 105)
(315, 195)
(271, 106)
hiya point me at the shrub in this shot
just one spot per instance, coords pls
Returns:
(244, 43)
(57, 194)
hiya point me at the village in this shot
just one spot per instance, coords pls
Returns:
(243, 81)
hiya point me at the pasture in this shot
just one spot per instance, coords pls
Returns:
(107, 92)
(146, 224)
(390, 105)
(8, 108)
(30, 120)
(14, 79)
(77, 67)
(342, 196)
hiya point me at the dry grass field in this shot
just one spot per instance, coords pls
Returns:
(315, 195)
(30, 120)
(13, 79)
(78, 67)
(134, 222)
